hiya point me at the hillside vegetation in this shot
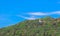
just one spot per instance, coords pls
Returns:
(48, 27)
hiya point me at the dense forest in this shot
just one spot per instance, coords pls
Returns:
(46, 26)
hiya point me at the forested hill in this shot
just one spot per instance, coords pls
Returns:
(40, 27)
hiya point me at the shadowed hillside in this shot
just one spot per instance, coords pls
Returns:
(40, 27)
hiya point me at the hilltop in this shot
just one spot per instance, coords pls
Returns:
(47, 27)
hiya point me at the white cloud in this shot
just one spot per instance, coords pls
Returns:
(34, 14)
(44, 14)
(28, 18)
(56, 12)
(38, 13)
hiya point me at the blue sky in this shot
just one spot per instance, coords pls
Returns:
(14, 11)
